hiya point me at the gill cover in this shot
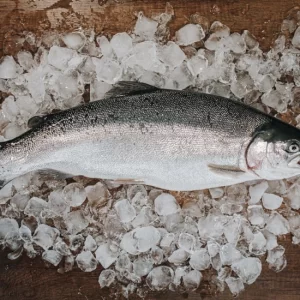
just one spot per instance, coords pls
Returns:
(269, 156)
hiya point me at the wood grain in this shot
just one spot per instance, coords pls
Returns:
(30, 279)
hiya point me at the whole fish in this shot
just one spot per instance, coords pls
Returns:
(175, 140)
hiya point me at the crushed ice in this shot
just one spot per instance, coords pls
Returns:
(142, 236)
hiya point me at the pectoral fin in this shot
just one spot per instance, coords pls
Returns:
(228, 171)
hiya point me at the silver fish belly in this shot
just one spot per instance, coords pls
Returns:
(175, 140)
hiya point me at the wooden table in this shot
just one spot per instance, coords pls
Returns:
(30, 279)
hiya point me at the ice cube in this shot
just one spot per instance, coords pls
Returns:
(145, 27)
(74, 194)
(142, 266)
(289, 25)
(144, 218)
(59, 57)
(171, 55)
(256, 192)
(45, 236)
(266, 83)
(274, 100)
(235, 285)
(237, 192)
(74, 40)
(61, 247)
(187, 242)
(189, 34)
(25, 234)
(275, 254)
(76, 242)
(219, 29)
(200, 259)
(108, 70)
(90, 244)
(12, 131)
(36, 85)
(134, 190)
(250, 40)
(145, 55)
(166, 204)
(192, 280)
(216, 193)
(248, 269)
(294, 222)
(69, 263)
(179, 273)
(10, 109)
(197, 64)
(68, 86)
(140, 240)
(293, 196)
(8, 68)
(211, 226)
(106, 255)
(232, 229)
(213, 248)
(105, 46)
(258, 244)
(256, 215)
(167, 240)
(236, 43)
(178, 257)
(252, 97)
(76, 222)
(123, 262)
(20, 200)
(106, 278)
(159, 278)
(27, 106)
(271, 240)
(121, 44)
(271, 201)
(229, 254)
(276, 259)
(97, 194)
(25, 59)
(98, 89)
(125, 211)
(6, 193)
(277, 224)
(52, 257)
(157, 255)
(35, 206)
(181, 78)
(86, 261)
(57, 203)
(8, 227)
(296, 38)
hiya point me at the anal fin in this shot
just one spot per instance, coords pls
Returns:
(127, 181)
(50, 174)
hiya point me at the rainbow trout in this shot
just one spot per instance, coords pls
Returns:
(175, 140)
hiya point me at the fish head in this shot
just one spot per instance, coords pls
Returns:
(274, 152)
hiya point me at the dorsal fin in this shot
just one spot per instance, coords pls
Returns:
(35, 121)
(127, 88)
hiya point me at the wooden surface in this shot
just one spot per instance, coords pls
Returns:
(30, 279)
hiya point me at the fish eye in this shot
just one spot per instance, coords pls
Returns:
(293, 148)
